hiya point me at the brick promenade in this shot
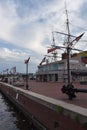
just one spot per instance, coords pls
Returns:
(53, 90)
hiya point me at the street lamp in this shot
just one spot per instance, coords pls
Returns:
(26, 62)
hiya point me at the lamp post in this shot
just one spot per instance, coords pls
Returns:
(26, 62)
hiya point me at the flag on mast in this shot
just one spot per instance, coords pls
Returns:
(52, 49)
(79, 37)
(26, 61)
(76, 39)
(14, 69)
(43, 60)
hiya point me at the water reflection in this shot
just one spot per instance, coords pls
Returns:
(11, 118)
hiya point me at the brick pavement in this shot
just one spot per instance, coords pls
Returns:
(53, 90)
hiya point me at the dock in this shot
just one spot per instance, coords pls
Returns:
(47, 106)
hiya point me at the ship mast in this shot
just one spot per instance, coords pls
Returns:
(67, 23)
(68, 48)
(54, 52)
(69, 44)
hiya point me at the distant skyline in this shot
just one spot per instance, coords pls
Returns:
(26, 29)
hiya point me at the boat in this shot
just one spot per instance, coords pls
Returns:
(67, 68)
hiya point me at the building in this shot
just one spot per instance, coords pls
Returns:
(57, 71)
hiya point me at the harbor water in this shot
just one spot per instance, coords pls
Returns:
(11, 118)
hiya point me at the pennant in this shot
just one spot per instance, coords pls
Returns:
(79, 37)
(14, 70)
(76, 39)
(26, 61)
(43, 60)
(50, 50)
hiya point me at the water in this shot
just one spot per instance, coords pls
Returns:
(11, 118)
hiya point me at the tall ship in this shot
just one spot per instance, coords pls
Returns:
(69, 66)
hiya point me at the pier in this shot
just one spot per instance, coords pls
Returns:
(47, 107)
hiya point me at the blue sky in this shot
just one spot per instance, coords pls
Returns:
(26, 29)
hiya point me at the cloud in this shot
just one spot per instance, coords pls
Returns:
(7, 20)
(11, 55)
(28, 36)
(17, 57)
(27, 24)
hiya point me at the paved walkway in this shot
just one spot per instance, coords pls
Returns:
(53, 90)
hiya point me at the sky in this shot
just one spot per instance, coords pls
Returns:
(26, 29)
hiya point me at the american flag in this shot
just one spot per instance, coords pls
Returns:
(79, 37)
(26, 61)
(13, 70)
(43, 60)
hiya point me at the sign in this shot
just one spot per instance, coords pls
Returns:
(74, 61)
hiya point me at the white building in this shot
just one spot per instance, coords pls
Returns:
(57, 71)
